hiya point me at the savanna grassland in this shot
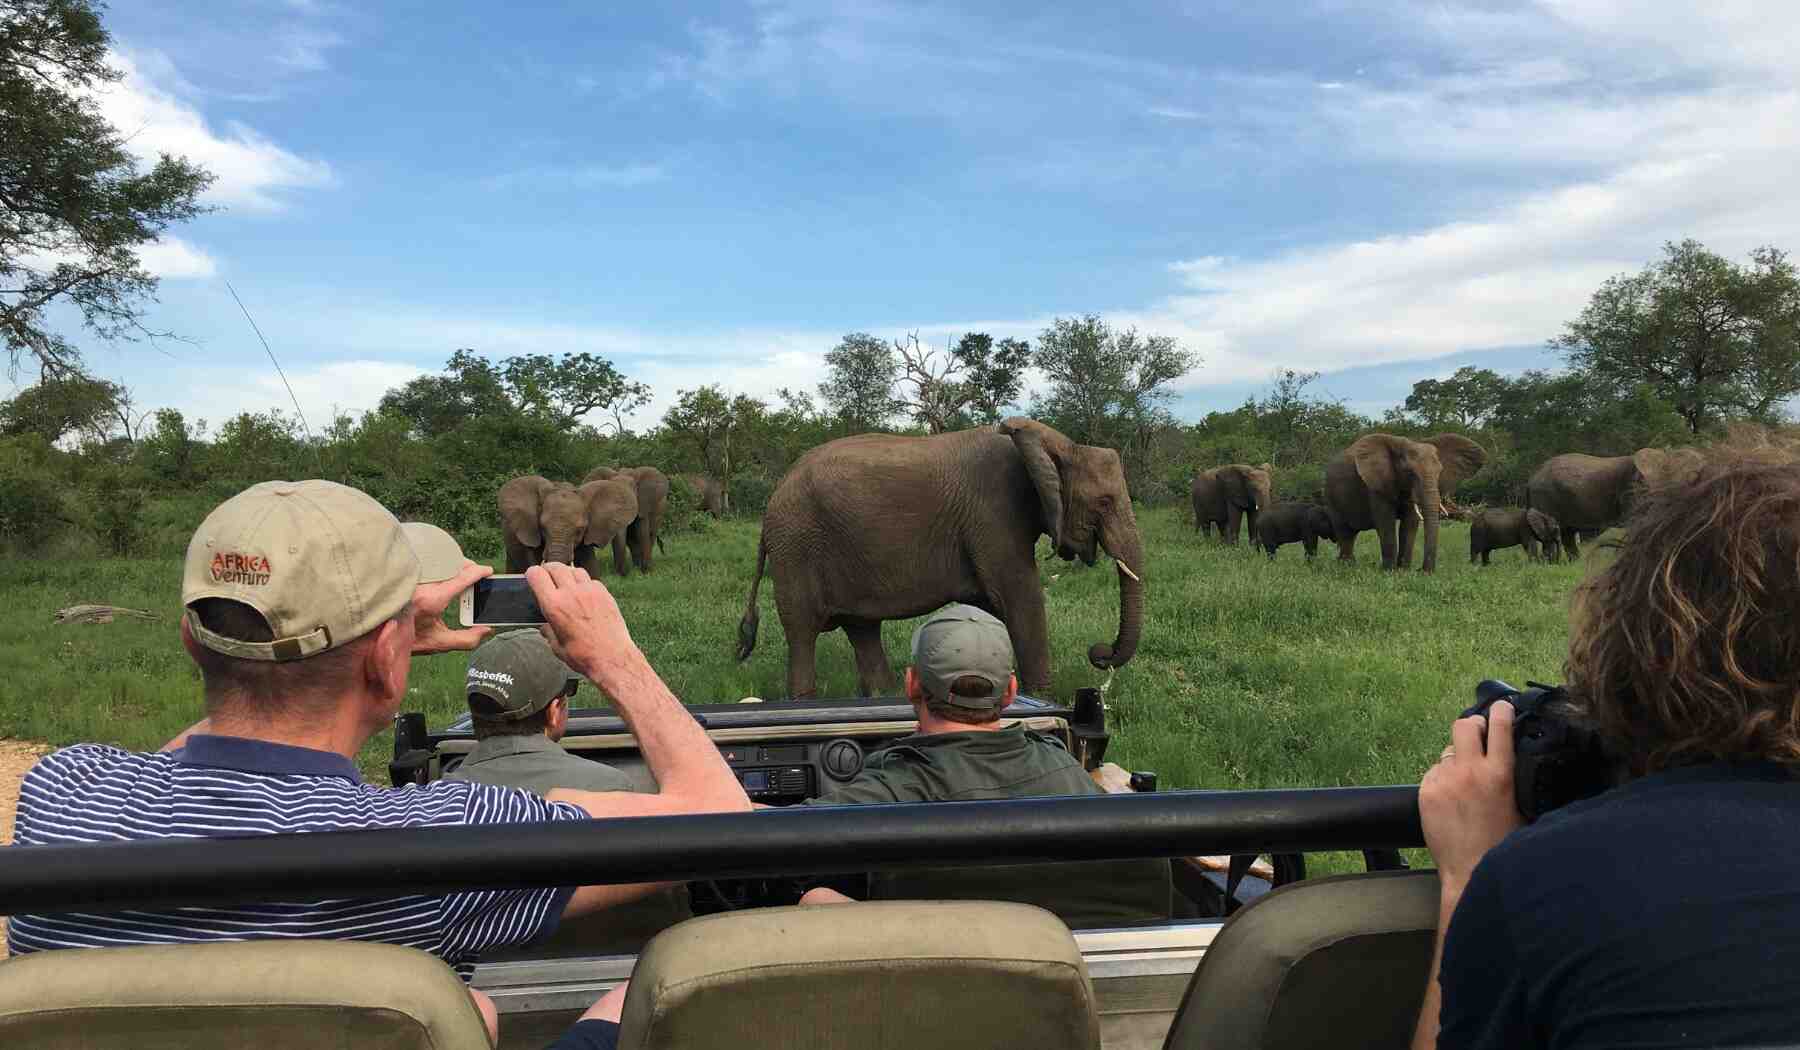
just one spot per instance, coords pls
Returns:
(1250, 674)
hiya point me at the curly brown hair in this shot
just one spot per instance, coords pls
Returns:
(1686, 648)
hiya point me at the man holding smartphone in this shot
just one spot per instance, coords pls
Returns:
(304, 605)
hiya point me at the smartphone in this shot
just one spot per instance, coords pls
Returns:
(501, 601)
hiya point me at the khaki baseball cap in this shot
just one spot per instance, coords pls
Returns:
(959, 641)
(519, 673)
(323, 563)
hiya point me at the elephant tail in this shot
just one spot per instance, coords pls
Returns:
(747, 626)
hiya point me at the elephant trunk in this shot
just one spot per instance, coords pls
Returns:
(560, 548)
(1128, 551)
(1429, 509)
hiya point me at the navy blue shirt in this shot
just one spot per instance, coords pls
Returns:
(229, 786)
(1663, 913)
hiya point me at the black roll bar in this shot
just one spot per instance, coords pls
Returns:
(796, 841)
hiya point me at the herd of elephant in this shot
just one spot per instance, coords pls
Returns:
(543, 520)
(1397, 485)
(881, 527)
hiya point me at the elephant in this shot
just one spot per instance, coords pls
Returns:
(653, 502)
(1497, 527)
(709, 493)
(1223, 495)
(1382, 481)
(884, 527)
(1590, 494)
(1304, 523)
(547, 520)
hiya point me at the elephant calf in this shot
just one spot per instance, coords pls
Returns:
(1499, 527)
(1304, 523)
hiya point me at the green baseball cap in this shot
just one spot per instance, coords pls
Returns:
(519, 673)
(960, 641)
(323, 563)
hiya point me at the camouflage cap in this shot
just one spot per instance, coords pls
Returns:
(960, 641)
(519, 673)
(323, 563)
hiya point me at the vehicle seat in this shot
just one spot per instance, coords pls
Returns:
(227, 996)
(1339, 961)
(873, 975)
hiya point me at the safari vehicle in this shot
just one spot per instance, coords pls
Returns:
(1339, 960)
(785, 752)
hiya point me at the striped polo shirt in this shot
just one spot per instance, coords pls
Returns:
(233, 786)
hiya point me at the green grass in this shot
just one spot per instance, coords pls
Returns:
(1250, 674)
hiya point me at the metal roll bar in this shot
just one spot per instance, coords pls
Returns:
(802, 840)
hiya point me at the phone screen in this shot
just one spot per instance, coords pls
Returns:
(505, 599)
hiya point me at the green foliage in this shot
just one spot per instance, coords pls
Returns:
(1110, 388)
(750, 495)
(77, 207)
(60, 404)
(1713, 340)
(115, 499)
(31, 495)
(996, 373)
(859, 388)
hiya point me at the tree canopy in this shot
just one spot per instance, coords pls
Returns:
(1712, 339)
(74, 207)
(558, 391)
(859, 385)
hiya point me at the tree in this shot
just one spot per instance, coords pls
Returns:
(860, 385)
(704, 419)
(931, 393)
(996, 372)
(564, 389)
(1714, 340)
(74, 208)
(471, 386)
(1468, 399)
(60, 404)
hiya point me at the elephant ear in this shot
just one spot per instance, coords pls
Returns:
(599, 474)
(1650, 463)
(521, 505)
(1047, 453)
(1237, 485)
(1539, 524)
(604, 499)
(1374, 461)
(1458, 457)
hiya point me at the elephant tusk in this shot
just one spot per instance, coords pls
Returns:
(1417, 513)
(1126, 569)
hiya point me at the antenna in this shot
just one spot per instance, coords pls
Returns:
(277, 364)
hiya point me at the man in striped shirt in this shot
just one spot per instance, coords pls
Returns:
(305, 602)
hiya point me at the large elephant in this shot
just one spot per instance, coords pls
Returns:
(709, 493)
(1497, 527)
(644, 534)
(881, 527)
(546, 520)
(1224, 496)
(1589, 494)
(1383, 481)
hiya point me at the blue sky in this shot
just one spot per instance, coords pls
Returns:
(716, 193)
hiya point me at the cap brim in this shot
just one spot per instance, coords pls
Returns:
(439, 556)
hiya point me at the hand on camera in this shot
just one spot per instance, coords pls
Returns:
(430, 633)
(1466, 799)
(582, 622)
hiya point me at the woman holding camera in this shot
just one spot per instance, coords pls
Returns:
(1665, 911)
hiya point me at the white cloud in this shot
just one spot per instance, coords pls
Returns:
(252, 172)
(215, 395)
(1174, 113)
(585, 176)
(175, 259)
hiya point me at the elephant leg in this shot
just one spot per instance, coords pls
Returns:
(1020, 606)
(621, 562)
(803, 676)
(1311, 543)
(1250, 527)
(873, 675)
(1228, 533)
(1571, 544)
(1385, 522)
(1484, 558)
(1531, 548)
(1347, 547)
(1409, 531)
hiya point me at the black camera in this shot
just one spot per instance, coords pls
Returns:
(1556, 759)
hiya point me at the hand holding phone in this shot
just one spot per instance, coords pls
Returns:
(501, 601)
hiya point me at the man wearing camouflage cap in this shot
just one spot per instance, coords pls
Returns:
(304, 604)
(960, 680)
(518, 695)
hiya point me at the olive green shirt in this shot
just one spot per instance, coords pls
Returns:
(959, 767)
(1001, 764)
(538, 764)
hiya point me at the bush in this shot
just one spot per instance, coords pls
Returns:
(115, 501)
(750, 494)
(31, 496)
